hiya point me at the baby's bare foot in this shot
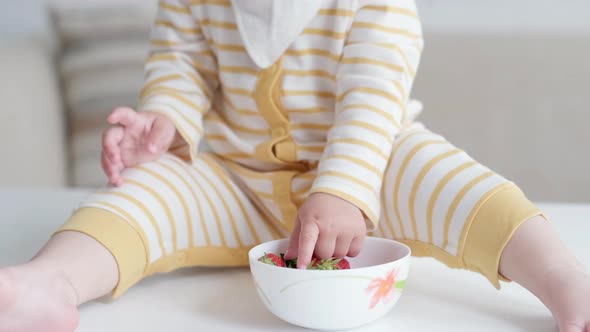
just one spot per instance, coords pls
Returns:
(33, 298)
(567, 294)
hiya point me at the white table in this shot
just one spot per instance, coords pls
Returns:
(224, 300)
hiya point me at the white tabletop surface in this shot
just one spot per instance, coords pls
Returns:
(436, 298)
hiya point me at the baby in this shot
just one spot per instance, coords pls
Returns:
(305, 108)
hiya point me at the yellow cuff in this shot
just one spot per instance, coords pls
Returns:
(117, 236)
(492, 228)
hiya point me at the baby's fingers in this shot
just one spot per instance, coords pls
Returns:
(111, 170)
(325, 245)
(106, 165)
(124, 116)
(161, 135)
(356, 245)
(342, 246)
(111, 139)
(293, 250)
(307, 241)
(111, 154)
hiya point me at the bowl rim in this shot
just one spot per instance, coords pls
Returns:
(253, 260)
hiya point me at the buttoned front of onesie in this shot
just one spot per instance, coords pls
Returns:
(299, 78)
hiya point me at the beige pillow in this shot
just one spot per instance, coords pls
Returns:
(85, 58)
(102, 19)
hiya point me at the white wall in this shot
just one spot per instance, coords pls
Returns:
(512, 16)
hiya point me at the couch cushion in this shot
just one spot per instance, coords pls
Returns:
(92, 56)
(98, 76)
(100, 85)
(105, 19)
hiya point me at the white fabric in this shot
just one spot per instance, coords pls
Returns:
(268, 27)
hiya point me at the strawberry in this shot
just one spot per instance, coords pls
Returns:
(343, 264)
(329, 264)
(272, 259)
(316, 263)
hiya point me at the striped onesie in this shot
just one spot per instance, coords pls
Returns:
(294, 98)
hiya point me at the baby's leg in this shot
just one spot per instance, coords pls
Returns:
(537, 259)
(168, 214)
(42, 295)
(445, 205)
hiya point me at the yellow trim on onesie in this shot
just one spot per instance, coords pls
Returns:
(487, 231)
(128, 247)
(122, 240)
(280, 148)
(484, 239)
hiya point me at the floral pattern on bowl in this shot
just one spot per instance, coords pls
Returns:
(380, 289)
(384, 289)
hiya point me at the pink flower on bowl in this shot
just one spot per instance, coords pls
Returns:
(383, 289)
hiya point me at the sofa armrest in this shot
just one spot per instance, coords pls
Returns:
(32, 126)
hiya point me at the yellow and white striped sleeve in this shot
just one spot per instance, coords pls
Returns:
(181, 71)
(374, 78)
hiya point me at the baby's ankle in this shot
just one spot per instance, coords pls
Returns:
(553, 281)
(60, 279)
(36, 298)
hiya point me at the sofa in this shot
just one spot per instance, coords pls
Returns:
(506, 81)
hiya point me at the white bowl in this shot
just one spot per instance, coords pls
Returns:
(333, 300)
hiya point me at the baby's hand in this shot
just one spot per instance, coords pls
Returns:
(328, 226)
(134, 138)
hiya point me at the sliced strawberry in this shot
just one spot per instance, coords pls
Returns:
(272, 259)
